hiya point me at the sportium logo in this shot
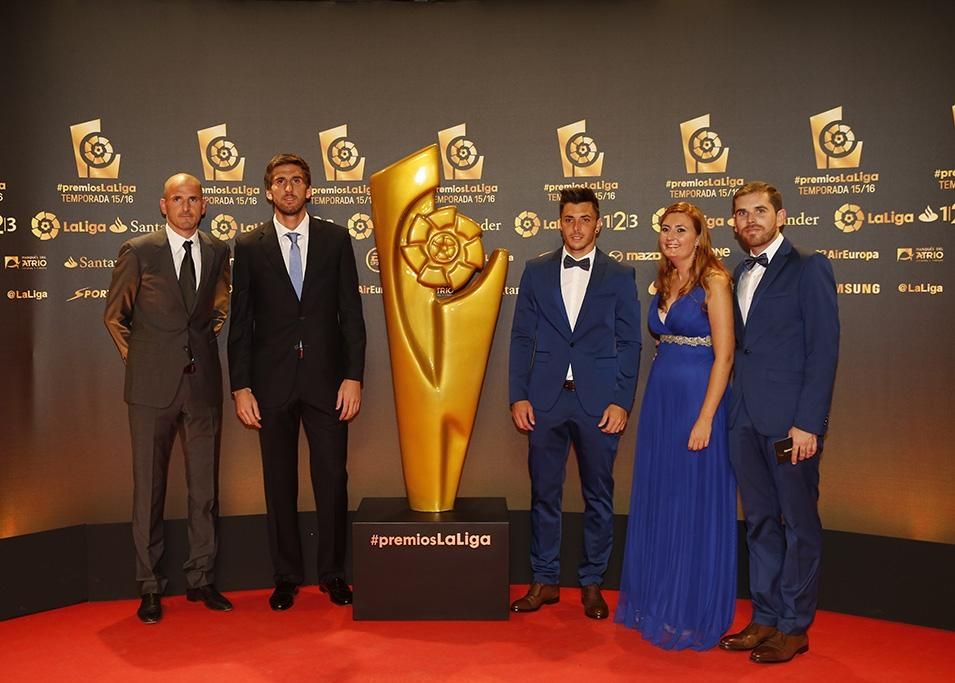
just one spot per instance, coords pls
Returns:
(94, 153)
(849, 218)
(460, 158)
(703, 150)
(579, 155)
(220, 156)
(340, 155)
(833, 141)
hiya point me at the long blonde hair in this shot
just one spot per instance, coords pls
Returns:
(705, 264)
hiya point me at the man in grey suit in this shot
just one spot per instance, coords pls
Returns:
(167, 302)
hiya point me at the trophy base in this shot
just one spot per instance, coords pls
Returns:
(431, 565)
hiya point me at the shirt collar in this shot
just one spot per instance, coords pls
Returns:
(176, 240)
(773, 247)
(589, 255)
(301, 228)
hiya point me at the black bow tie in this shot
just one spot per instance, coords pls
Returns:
(570, 262)
(751, 261)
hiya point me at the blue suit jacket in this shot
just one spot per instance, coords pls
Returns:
(786, 353)
(603, 348)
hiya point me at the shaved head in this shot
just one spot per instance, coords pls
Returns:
(182, 203)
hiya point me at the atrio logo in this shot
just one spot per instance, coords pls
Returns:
(220, 155)
(360, 226)
(94, 153)
(340, 156)
(849, 218)
(45, 225)
(11, 261)
(833, 141)
(223, 227)
(703, 150)
(579, 155)
(460, 158)
(527, 224)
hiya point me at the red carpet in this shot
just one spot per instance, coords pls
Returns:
(316, 641)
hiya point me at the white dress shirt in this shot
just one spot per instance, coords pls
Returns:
(749, 279)
(177, 245)
(573, 287)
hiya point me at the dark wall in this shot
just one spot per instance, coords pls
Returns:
(276, 74)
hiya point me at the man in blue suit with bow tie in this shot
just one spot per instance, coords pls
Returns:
(574, 358)
(787, 346)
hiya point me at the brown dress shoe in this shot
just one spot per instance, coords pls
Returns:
(595, 606)
(538, 594)
(780, 647)
(747, 639)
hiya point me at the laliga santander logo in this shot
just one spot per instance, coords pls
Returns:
(703, 150)
(220, 156)
(45, 226)
(223, 227)
(360, 226)
(579, 156)
(340, 156)
(93, 152)
(849, 218)
(655, 221)
(527, 224)
(460, 159)
(834, 143)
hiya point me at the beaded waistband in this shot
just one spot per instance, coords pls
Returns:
(685, 341)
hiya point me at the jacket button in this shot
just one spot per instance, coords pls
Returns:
(745, 352)
(571, 344)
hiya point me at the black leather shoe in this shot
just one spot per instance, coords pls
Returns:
(338, 591)
(150, 609)
(283, 597)
(595, 606)
(210, 597)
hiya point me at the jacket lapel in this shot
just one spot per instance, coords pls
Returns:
(594, 285)
(315, 255)
(772, 272)
(167, 266)
(551, 275)
(270, 247)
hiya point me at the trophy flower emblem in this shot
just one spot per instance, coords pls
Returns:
(443, 248)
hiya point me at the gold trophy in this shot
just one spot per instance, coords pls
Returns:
(439, 331)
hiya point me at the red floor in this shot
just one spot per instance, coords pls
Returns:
(316, 641)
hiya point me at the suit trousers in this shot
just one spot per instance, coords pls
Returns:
(328, 446)
(555, 430)
(783, 529)
(153, 432)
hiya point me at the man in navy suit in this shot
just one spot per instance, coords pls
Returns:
(787, 346)
(296, 359)
(575, 354)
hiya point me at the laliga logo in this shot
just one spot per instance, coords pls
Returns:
(579, 155)
(849, 218)
(360, 226)
(46, 226)
(223, 227)
(459, 155)
(93, 152)
(655, 220)
(833, 141)
(220, 156)
(340, 156)
(703, 151)
(527, 224)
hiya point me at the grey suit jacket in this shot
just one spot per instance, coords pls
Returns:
(155, 334)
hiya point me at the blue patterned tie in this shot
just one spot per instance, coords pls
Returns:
(295, 264)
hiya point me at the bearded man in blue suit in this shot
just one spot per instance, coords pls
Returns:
(787, 347)
(574, 358)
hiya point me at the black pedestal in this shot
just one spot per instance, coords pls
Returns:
(430, 565)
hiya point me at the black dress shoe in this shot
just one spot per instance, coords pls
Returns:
(150, 609)
(210, 597)
(338, 591)
(283, 596)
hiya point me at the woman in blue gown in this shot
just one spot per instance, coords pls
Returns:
(679, 574)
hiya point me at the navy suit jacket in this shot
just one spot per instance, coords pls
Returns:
(786, 354)
(603, 348)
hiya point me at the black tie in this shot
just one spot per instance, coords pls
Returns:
(570, 262)
(187, 277)
(751, 261)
